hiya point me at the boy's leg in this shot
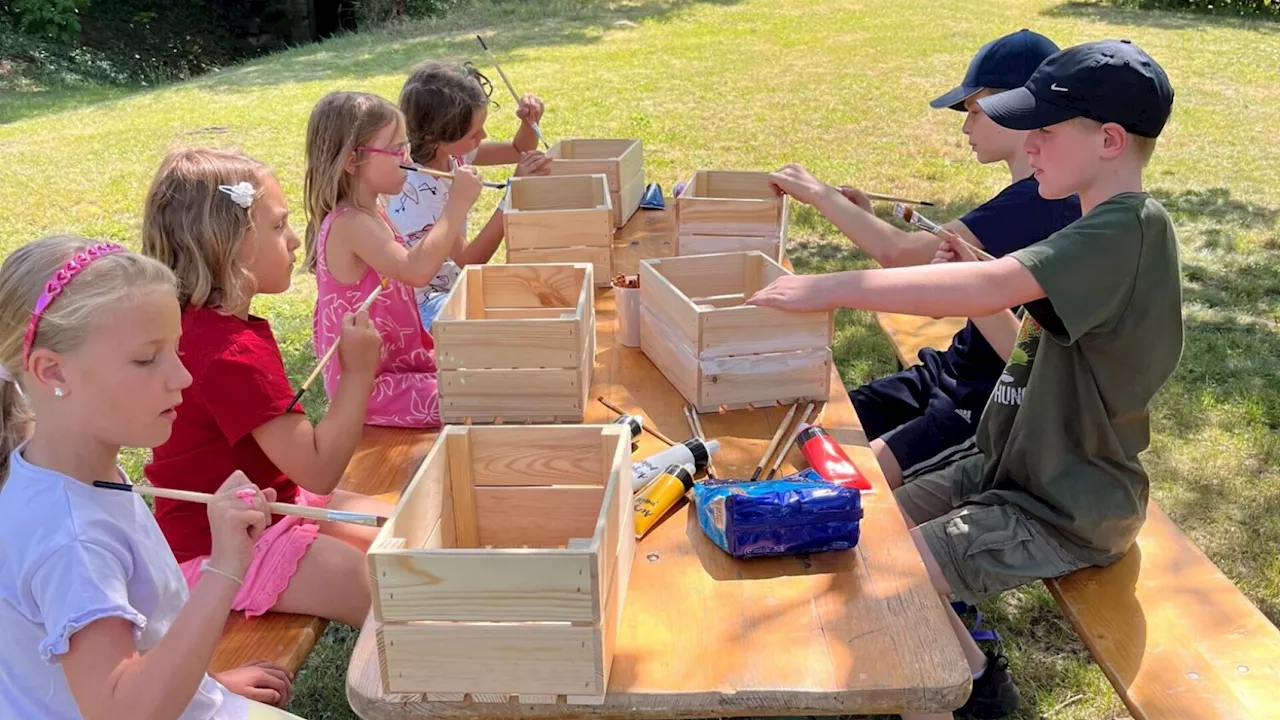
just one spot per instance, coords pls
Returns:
(888, 402)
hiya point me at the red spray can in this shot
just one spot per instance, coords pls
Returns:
(825, 456)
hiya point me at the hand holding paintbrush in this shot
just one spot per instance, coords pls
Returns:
(361, 345)
(529, 108)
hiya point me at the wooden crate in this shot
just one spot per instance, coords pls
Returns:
(621, 161)
(504, 568)
(516, 343)
(718, 352)
(723, 211)
(560, 220)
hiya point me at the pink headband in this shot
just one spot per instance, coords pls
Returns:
(57, 283)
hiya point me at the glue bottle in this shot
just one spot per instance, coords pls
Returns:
(825, 456)
(661, 495)
(693, 452)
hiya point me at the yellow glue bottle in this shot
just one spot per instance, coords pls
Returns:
(659, 496)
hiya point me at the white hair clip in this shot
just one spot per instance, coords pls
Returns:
(6, 376)
(242, 193)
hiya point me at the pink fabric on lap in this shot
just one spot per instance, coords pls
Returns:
(275, 559)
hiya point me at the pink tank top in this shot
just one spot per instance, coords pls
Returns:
(404, 389)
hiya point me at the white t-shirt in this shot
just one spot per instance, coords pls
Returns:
(71, 554)
(417, 209)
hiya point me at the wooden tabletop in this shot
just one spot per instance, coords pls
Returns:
(705, 635)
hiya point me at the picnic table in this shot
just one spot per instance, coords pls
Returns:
(703, 634)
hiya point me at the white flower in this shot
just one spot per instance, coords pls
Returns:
(242, 193)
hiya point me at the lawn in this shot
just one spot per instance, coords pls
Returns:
(750, 84)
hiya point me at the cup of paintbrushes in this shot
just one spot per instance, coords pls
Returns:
(626, 300)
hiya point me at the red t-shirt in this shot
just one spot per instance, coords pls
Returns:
(239, 383)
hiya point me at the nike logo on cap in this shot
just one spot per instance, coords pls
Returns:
(1057, 87)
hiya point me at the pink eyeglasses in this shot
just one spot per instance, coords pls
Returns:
(400, 151)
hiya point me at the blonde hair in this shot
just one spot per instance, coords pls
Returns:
(66, 322)
(196, 229)
(340, 122)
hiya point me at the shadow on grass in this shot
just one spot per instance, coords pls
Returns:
(22, 103)
(1113, 14)
(511, 29)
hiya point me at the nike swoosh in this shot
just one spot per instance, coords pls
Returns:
(1055, 86)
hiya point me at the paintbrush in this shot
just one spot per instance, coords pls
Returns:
(311, 513)
(514, 95)
(364, 307)
(645, 427)
(773, 444)
(449, 176)
(697, 432)
(782, 454)
(911, 217)
(891, 198)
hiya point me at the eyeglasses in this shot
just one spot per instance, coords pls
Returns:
(400, 150)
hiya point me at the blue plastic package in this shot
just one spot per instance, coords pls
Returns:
(797, 514)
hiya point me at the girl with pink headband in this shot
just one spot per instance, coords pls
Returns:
(97, 618)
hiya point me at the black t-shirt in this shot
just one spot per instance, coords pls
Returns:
(1013, 219)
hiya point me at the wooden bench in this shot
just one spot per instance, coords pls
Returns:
(381, 467)
(1175, 637)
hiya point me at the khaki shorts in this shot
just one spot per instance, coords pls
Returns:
(982, 550)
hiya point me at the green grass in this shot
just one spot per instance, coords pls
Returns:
(751, 84)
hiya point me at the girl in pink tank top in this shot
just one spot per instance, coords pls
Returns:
(355, 147)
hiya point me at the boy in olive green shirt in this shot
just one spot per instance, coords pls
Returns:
(1058, 485)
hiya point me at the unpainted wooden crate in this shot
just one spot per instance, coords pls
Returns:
(621, 161)
(516, 343)
(560, 220)
(722, 211)
(718, 352)
(503, 569)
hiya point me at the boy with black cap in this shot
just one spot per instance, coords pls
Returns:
(1058, 485)
(926, 416)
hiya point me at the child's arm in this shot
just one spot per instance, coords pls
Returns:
(316, 457)
(1000, 329)
(485, 244)
(500, 153)
(953, 289)
(370, 240)
(110, 679)
(888, 245)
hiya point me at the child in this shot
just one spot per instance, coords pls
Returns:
(1058, 484)
(96, 615)
(926, 416)
(445, 108)
(355, 145)
(219, 221)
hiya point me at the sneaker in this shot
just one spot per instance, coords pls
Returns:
(994, 695)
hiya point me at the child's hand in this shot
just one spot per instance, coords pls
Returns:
(795, 293)
(360, 348)
(466, 186)
(259, 680)
(797, 182)
(952, 249)
(533, 163)
(238, 514)
(530, 109)
(856, 196)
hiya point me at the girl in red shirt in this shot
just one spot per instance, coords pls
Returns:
(220, 221)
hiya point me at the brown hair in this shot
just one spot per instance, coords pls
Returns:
(340, 122)
(196, 229)
(67, 320)
(439, 102)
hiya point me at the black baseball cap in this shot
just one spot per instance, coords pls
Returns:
(1004, 63)
(1112, 81)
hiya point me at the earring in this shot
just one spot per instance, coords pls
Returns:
(59, 392)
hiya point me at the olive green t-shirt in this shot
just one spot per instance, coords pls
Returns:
(1063, 428)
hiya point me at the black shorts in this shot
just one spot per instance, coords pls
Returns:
(916, 414)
